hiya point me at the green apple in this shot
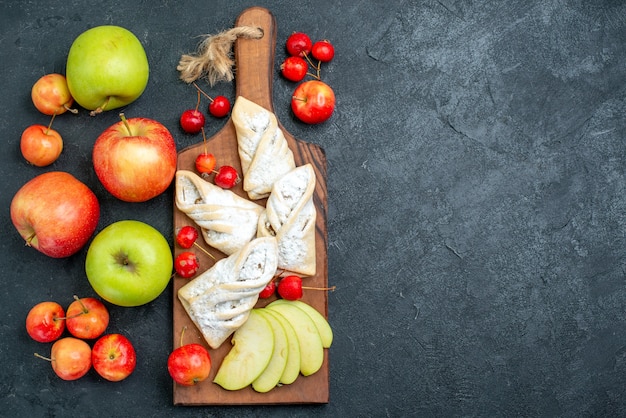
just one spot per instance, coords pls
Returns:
(311, 349)
(292, 368)
(275, 368)
(253, 345)
(322, 325)
(107, 68)
(129, 263)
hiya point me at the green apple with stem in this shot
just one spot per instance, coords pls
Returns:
(107, 68)
(129, 263)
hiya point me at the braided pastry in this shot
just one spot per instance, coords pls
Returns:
(263, 150)
(219, 300)
(227, 221)
(290, 217)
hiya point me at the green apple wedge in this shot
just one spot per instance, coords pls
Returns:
(275, 368)
(311, 349)
(292, 368)
(253, 345)
(326, 332)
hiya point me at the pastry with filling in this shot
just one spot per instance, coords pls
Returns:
(227, 220)
(290, 217)
(219, 300)
(263, 150)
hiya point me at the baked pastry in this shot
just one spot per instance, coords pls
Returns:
(263, 150)
(290, 217)
(227, 221)
(219, 300)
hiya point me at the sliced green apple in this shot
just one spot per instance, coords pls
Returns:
(253, 345)
(292, 368)
(311, 349)
(275, 368)
(323, 327)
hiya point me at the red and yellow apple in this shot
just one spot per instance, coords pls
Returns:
(70, 358)
(87, 318)
(113, 357)
(313, 101)
(41, 145)
(135, 159)
(45, 322)
(51, 96)
(55, 213)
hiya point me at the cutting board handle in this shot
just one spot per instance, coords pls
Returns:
(254, 58)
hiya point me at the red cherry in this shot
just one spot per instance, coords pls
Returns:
(186, 264)
(290, 288)
(323, 51)
(192, 121)
(219, 107)
(226, 177)
(269, 290)
(299, 44)
(205, 162)
(294, 68)
(187, 236)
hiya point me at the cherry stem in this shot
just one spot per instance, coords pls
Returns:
(85, 310)
(317, 67)
(50, 124)
(203, 250)
(332, 288)
(43, 357)
(182, 333)
(204, 140)
(202, 91)
(69, 109)
(123, 118)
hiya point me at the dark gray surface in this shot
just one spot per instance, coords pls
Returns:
(477, 203)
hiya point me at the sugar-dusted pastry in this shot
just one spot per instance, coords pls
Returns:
(227, 221)
(290, 217)
(219, 300)
(263, 150)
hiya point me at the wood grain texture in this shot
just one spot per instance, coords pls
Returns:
(254, 60)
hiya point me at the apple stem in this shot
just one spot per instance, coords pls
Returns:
(30, 238)
(125, 122)
(100, 108)
(43, 357)
(50, 124)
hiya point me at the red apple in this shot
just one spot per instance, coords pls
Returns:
(70, 358)
(189, 364)
(135, 159)
(87, 318)
(51, 96)
(45, 322)
(55, 213)
(113, 356)
(41, 145)
(313, 101)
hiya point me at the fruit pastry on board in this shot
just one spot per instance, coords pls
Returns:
(219, 300)
(227, 221)
(263, 150)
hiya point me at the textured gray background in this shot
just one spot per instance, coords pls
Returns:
(477, 201)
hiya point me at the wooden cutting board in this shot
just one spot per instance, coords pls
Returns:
(254, 60)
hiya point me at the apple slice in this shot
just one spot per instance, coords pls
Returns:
(274, 370)
(253, 345)
(311, 349)
(292, 368)
(323, 327)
